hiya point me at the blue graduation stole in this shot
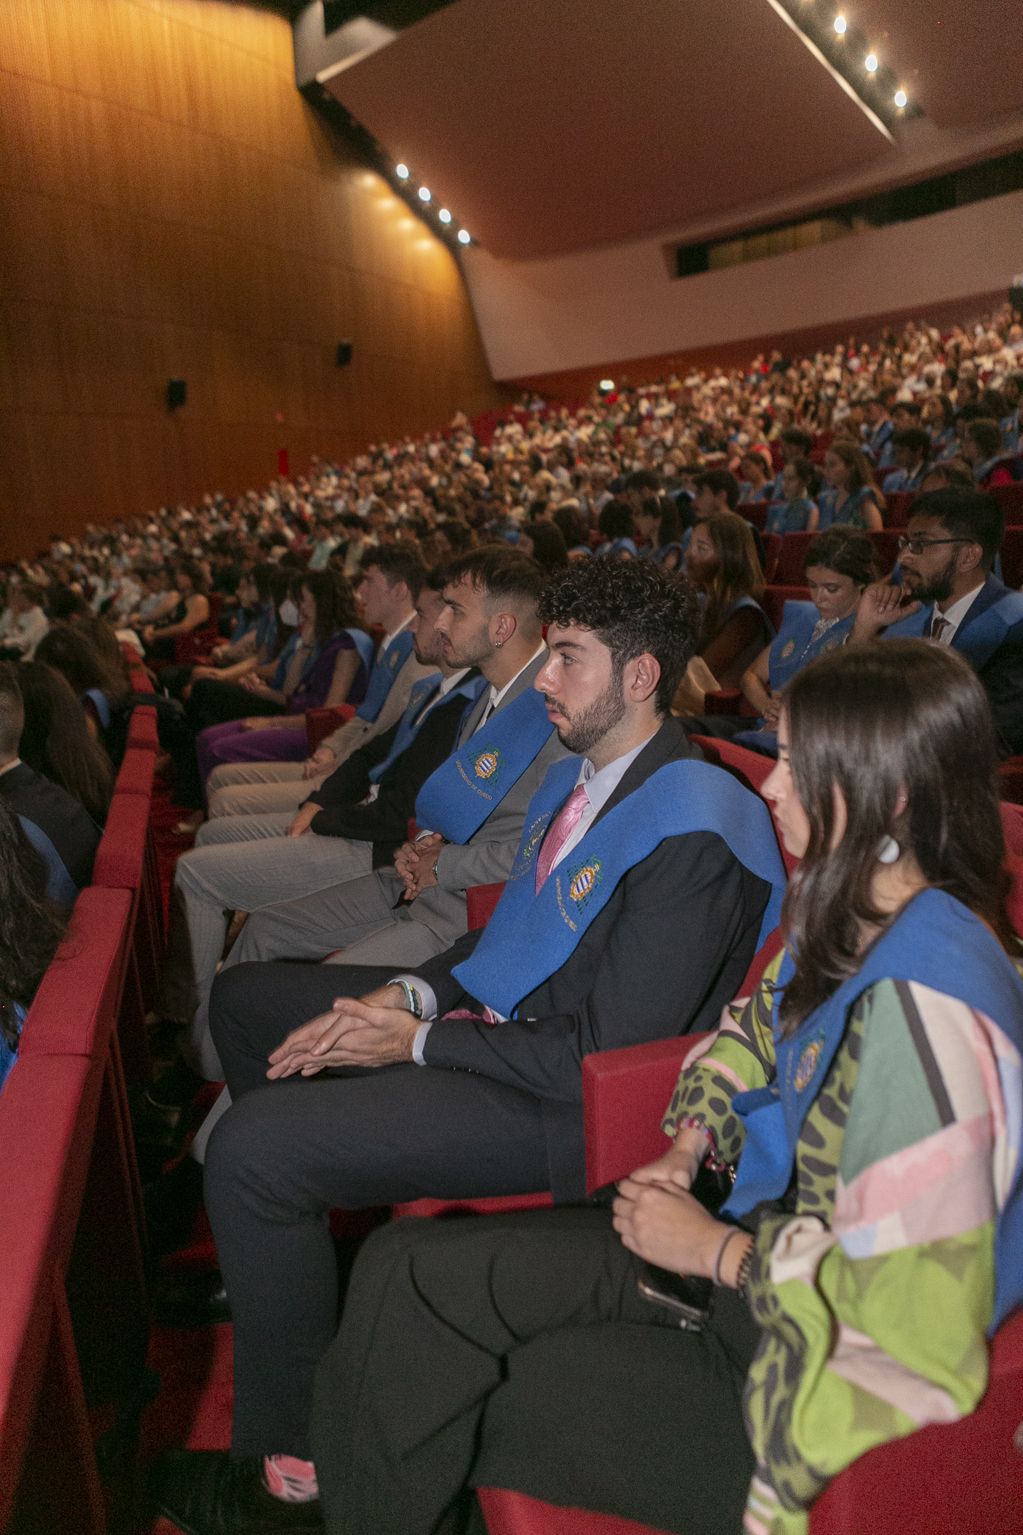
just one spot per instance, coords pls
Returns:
(387, 667)
(459, 795)
(976, 638)
(747, 602)
(363, 645)
(408, 728)
(531, 935)
(937, 942)
(101, 704)
(793, 648)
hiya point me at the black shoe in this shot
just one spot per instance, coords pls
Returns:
(191, 1300)
(205, 1492)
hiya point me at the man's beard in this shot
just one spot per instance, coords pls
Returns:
(937, 589)
(584, 729)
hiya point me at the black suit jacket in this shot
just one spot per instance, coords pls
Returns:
(666, 953)
(73, 833)
(384, 822)
(1002, 674)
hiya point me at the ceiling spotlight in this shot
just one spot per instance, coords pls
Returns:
(841, 25)
(402, 171)
(464, 237)
(424, 194)
(870, 63)
(444, 216)
(606, 385)
(901, 99)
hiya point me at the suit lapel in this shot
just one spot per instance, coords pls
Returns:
(986, 597)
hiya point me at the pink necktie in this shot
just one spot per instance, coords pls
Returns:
(559, 832)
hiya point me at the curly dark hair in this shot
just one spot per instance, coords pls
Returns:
(632, 606)
(30, 928)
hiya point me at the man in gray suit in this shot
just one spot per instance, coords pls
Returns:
(413, 911)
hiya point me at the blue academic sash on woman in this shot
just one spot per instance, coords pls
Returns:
(532, 934)
(459, 795)
(381, 678)
(976, 638)
(937, 942)
(469, 688)
(793, 648)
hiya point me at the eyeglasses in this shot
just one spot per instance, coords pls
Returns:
(917, 544)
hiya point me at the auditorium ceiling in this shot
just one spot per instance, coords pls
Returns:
(556, 125)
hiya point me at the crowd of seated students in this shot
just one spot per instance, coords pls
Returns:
(453, 1059)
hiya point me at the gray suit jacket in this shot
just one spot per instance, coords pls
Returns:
(487, 857)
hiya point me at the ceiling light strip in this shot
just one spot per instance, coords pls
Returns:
(825, 63)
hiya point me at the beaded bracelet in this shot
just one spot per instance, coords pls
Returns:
(413, 1001)
(713, 1158)
(733, 1231)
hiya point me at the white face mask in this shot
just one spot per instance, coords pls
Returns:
(289, 613)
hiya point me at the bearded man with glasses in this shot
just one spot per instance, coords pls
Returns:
(944, 589)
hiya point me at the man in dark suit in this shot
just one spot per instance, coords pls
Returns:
(661, 868)
(947, 555)
(56, 823)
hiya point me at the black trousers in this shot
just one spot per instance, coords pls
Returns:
(210, 703)
(515, 1351)
(287, 1153)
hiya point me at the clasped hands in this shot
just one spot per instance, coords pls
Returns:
(374, 1030)
(658, 1218)
(416, 862)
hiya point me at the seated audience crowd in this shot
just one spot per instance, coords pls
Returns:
(517, 630)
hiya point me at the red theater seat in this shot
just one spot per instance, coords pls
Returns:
(138, 767)
(775, 597)
(791, 567)
(320, 723)
(142, 732)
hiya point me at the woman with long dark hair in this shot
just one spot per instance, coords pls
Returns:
(721, 561)
(326, 662)
(30, 930)
(867, 1096)
(851, 494)
(57, 741)
(86, 653)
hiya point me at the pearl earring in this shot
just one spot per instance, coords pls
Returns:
(889, 851)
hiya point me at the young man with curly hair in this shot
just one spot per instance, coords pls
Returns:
(642, 883)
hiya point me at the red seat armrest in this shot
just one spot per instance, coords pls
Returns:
(321, 723)
(480, 901)
(625, 1094)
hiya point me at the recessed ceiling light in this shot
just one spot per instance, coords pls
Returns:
(402, 171)
(464, 237)
(425, 194)
(444, 216)
(841, 25)
(901, 99)
(870, 63)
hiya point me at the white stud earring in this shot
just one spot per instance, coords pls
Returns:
(889, 851)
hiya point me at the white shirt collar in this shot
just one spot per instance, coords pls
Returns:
(955, 614)
(395, 632)
(495, 696)
(9, 767)
(451, 682)
(602, 782)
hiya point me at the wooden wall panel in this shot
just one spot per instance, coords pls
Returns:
(170, 207)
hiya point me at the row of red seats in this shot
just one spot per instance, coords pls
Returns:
(71, 1219)
(785, 555)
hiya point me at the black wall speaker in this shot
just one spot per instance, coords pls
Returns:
(344, 353)
(177, 393)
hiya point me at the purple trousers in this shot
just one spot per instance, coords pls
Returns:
(229, 743)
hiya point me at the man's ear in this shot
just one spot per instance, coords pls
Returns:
(502, 627)
(641, 677)
(969, 557)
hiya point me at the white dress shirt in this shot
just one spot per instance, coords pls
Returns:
(955, 614)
